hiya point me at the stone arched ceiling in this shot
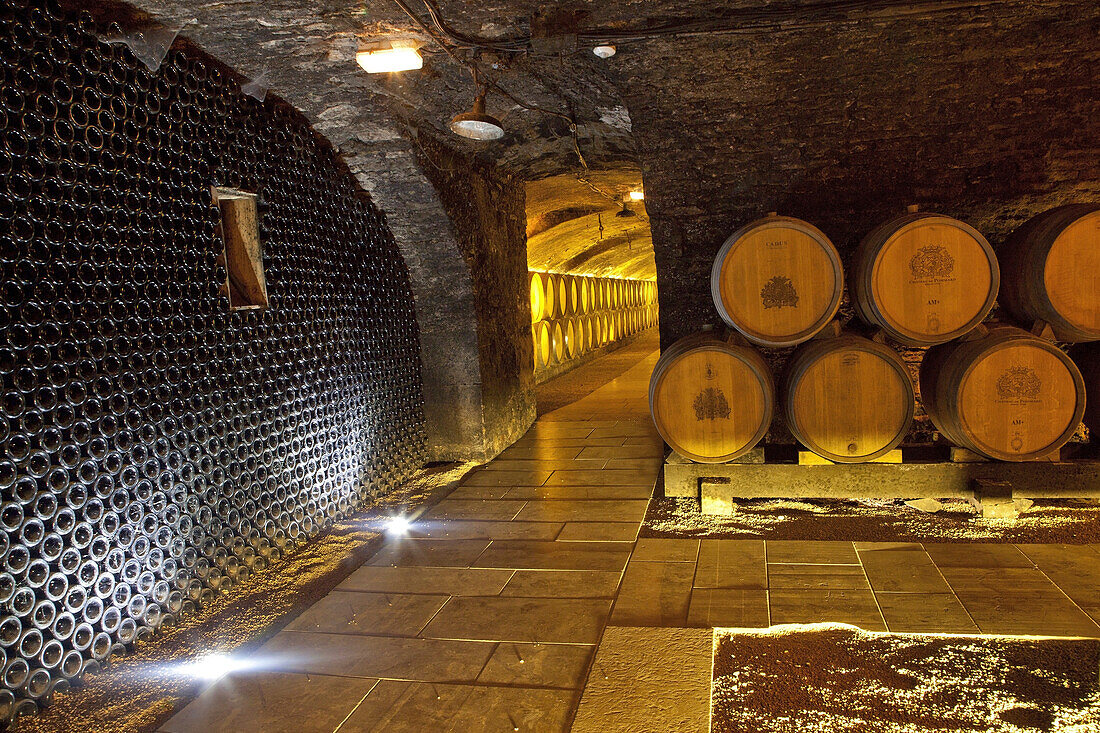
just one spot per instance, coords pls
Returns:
(580, 227)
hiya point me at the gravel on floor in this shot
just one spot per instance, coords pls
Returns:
(1062, 521)
(834, 678)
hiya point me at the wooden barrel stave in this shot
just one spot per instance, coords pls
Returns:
(847, 398)
(1051, 272)
(924, 278)
(1003, 393)
(796, 281)
(711, 400)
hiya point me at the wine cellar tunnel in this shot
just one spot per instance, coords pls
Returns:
(394, 365)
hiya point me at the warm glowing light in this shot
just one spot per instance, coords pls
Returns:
(212, 666)
(604, 51)
(389, 59)
(398, 525)
(637, 195)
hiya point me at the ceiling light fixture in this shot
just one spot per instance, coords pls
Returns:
(625, 211)
(604, 50)
(477, 124)
(383, 60)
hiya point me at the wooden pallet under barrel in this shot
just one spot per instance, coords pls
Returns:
(998, 489)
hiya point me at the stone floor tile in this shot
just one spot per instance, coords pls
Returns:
(1042, 613)
(792, 551)
(570, 621)
(909, 571)
(887, 546)
(626, 451)
(437, 553)
(532, 477)
(563, 584)
(544, 493)
(731, 564)
(271, 702)
(479, 492)
(665, 550)
(393, 657)
(996, 580)
(645, 465)
(452, 581)
(647, 680)
(355, 612)
(528, 442)
(606, 477)
(925, 613)
(821, 577)
(402, 707)
(855, 607)
(599, 532)
(645, 441)
(624, 510)
(1073, 568)
(626, 430)
(728, 607)
(561, 429)
(465, 529)
(975, 555)
(532, 555)
(538, 665)
(545, 464)
(654, 594)
(500, 510)
(538, 452)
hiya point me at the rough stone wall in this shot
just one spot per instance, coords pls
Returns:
(307, 55)
(989, 116)
(486, 207)
(156, 445)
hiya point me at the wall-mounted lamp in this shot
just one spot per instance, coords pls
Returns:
(477, 124)
(636, 195)
(382, 60)
(604, 51)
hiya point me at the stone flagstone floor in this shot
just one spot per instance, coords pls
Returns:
(487, 616)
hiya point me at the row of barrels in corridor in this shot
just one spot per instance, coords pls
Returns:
(572, 315)
(921, 280)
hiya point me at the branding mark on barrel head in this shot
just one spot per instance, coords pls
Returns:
(1019, 384)
(709, 374)
(932, 262)
(711, 404)
(779, 292)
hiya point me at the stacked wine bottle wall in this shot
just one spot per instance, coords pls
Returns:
(573, 315)
(1006, 392)
(158, 447)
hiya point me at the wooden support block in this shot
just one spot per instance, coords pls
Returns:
(994, 499)
(809, 458)
(717, 502)
(962, 455)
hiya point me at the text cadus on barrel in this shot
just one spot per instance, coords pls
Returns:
(924, 279)
(711, 397)
(847, 398)
(1051, 272)
(777, 280)
(1003, 393)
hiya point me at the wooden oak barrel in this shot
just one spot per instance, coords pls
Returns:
(777, 280)
(711, 400)
(557, 342)
(1050, 271)
(847, 398)
(924, 279)
(549, 296)
(1087, 359)
(538, 297)
(541, 334)
(1003, 393)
